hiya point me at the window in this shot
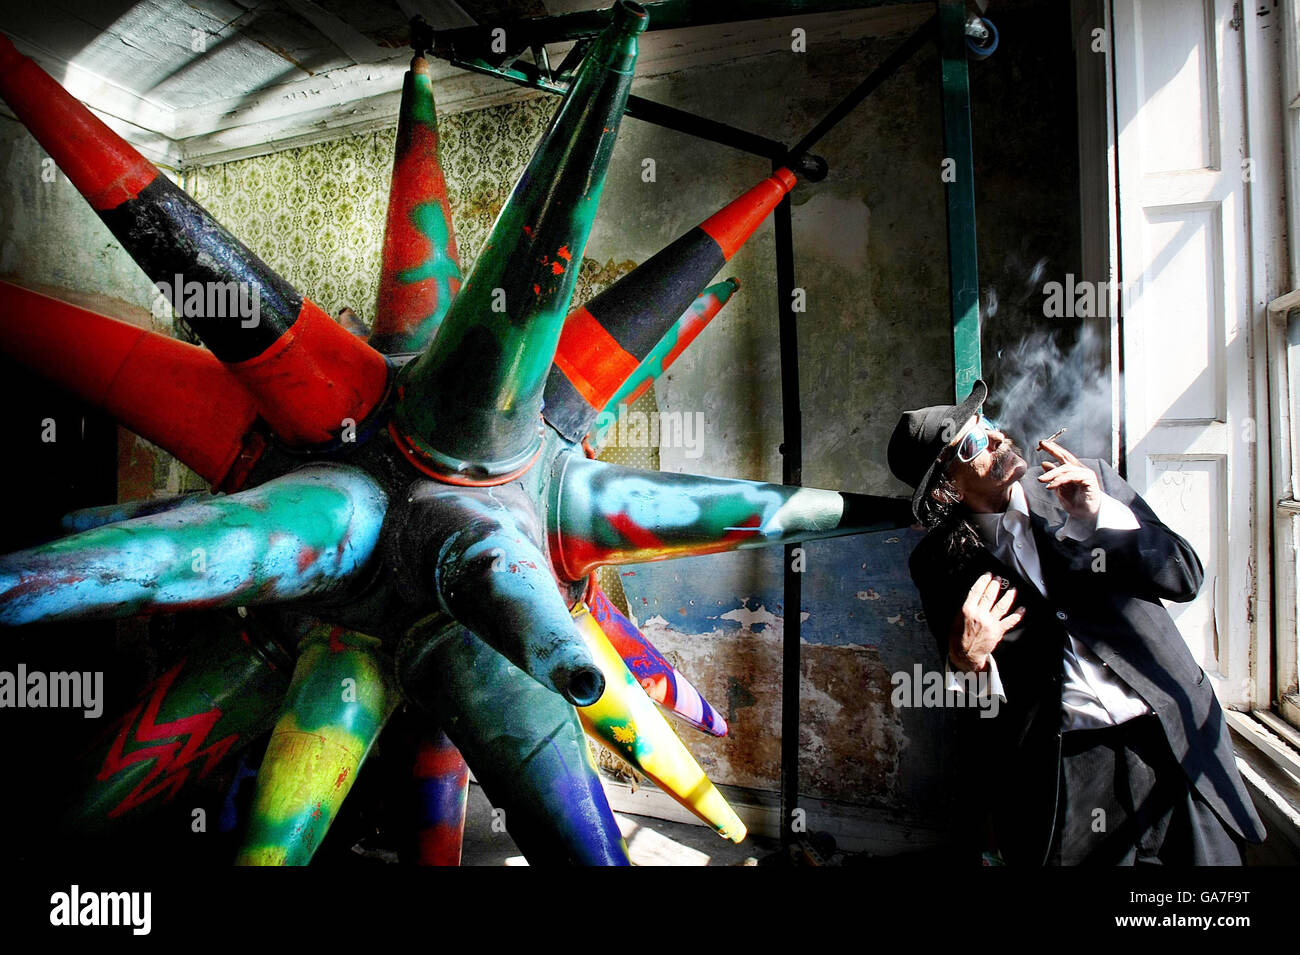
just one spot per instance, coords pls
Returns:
(1284, 396)
(1284, 375)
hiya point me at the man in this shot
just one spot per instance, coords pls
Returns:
(1107, 745)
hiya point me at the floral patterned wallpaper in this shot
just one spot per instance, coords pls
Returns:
(316, 213)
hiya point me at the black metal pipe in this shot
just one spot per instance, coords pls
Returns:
(571, 59)
(670, 117)
(791, 473)
(888, 68)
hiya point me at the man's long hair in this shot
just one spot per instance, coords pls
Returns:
(947, 516)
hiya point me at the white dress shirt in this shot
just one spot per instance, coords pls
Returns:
(1092, 694)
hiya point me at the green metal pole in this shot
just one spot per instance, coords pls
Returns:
(958, 172)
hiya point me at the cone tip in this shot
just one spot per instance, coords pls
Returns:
(581, 685)
(786, 178)
(631, 16)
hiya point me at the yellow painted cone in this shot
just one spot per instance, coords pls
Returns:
(339, 700)
(628, 723)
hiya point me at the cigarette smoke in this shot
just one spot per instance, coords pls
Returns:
(1045, 373)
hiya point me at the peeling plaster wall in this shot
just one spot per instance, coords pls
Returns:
(720, 619)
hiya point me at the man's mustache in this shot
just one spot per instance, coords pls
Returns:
(1004, 459)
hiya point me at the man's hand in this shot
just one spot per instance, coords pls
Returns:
(982, 623)
(1076, 486)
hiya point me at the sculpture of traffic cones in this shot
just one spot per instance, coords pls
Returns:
(683, 331)
(604, 343)
(309, 376)
(299, 535)
(626, 721)
(526, 747)
(606, 514)
(441, 778)
(660, 679)
(420, 267)
(458, 565)
(468, 408)
(208, 706)
(168, 392)
(340, 698)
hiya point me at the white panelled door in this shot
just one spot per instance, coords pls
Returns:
(1185, 267)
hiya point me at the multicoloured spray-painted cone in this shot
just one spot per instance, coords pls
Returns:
(420, 268)
(490, 574)
(659, 678)
(684, 331)
(211, 704)
(168, 392)
(468, 410)
(604, 343)
(341, 696)
(627, 722)
(606, 514)
(441, 779)
(300, 535)
(85, 518)
(525, 745)
(309, 376)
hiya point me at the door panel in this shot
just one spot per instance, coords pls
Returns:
(1187, 388)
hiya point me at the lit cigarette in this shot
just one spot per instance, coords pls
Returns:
(1053, 437)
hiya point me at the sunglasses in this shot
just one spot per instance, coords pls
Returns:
(976, 440)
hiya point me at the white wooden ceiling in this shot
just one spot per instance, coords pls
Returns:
(200, 81)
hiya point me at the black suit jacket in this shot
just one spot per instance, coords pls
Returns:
(1010, 763)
